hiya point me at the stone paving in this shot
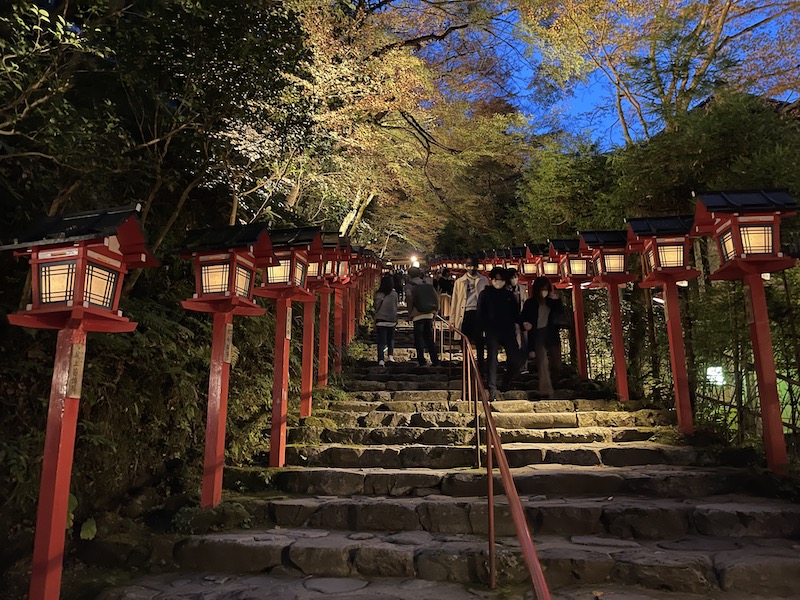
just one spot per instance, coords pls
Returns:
(383, 503)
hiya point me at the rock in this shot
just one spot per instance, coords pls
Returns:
(382, 559)
(452, 562)
(399, 484)
(231, 553)
(568, 565)
(410, 538)
(328, 585)
(664, 570)
(328, 556)
(646, 521)
(387, 516)
(144, 500)
(774, 575)
(605, 542)
(444, 517)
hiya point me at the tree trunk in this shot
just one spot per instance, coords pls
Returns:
(360, 214)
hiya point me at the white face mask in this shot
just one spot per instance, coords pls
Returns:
(514, 280)
(544, 293)
(498, 284)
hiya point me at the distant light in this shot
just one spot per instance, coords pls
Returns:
(766, 276)
(683, 283)
(715, 376)
(415, 263)
(658, 300)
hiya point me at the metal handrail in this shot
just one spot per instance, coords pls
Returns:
(473, 389)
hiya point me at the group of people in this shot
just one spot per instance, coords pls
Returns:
(492, 313)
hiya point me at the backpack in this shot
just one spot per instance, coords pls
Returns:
(425, 300)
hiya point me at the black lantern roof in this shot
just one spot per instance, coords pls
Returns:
(75, 227)
(654, 226)
(223, 238)
(502, 254)
(566, 246)
(517, 252)
(301, 236)
(538, 249)
(332, 239)
(605, 239)
(120, 221)
(747, 201)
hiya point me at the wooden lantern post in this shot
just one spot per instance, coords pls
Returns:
(608, 251)
(225, 260)
(664, 244)
(332, 244)
(575, 271)
(746, 228)
(78, 263)
(340, 287)
(285, 282)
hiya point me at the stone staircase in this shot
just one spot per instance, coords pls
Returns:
(384, 486)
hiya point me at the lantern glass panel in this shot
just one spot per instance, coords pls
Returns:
(651, 260)
(314, 269)
(756, 239)
(280, 272)
(550, 268)
(614, 263)
(726, 246)
(670, 255)
(243, 278)
(101, 283)
(578, 266)
(300, 271)
(597, 266)
(214, 278)
(56, 282)
(529, 268)
(341, 269)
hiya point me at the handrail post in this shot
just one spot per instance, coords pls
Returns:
(490, 493)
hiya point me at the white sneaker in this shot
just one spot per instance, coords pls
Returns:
(390, 358)
(381, 363)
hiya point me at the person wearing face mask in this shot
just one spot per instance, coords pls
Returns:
(464, 306)
(498, 313)
(521, 295)
(542, 316)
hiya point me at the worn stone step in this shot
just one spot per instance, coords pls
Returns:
(625, 517)
(285, 585)
(549, 480)
(509, 405)
(687, 564)
(395, 385)
(441, 418)
(454, 435)
(518, 454)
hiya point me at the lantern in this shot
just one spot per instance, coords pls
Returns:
(665, 242)
(575, 271)
(224, 261)
(608, 251)
(77, 263)
(745, 226)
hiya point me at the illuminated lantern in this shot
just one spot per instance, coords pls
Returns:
(284, 280)
(575, 271)
(77, 263)
(225, 261)
(745, 225)
(664, 243)
(608, 251)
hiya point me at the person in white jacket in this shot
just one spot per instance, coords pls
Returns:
(464, 307)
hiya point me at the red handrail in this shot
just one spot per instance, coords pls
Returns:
(471, 382)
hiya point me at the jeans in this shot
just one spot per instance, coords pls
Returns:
(508, 340)
(385, 340)
(423, 339)
(472, 329)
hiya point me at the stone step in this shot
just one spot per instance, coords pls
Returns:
(460, 436)
(548, 480)
(285, 584)
(376, 416)
(518, 454)
(685, 564)
(625, 517)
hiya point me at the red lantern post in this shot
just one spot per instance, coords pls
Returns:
(746, 228)
(78, 263)
(664, 243)
(225, 261)
(284, 282)
(340, 287)
(608, 250)
(575, 272)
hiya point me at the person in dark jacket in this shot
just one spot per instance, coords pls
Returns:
(498, 313)
(385, 304)
(542, 316)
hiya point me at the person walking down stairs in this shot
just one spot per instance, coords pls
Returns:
(423, 302)
(385, 303)
(498, 313)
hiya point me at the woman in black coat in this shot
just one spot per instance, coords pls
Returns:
(542, 316)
